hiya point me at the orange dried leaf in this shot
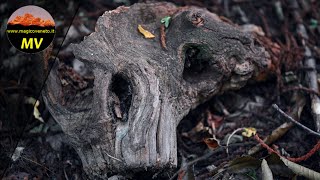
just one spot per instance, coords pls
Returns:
(212, 143)
(145, 33)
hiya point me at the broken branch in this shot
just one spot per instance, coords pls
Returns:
(276, 107)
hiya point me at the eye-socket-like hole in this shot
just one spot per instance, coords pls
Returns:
(198, 63)
(121, 94)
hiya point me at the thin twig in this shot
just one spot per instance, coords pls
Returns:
(65, 174)
(298, 88)
(276, 107)
(275, 135)
(228, 141)
(298, 159)
(163, 36)
(223, 108)
(113, 157)
(30, 160)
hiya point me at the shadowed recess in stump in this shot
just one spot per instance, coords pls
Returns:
(198, 64)
(121, 92)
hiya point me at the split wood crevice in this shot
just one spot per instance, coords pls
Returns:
(127, 120)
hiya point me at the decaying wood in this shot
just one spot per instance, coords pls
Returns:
(141, 91)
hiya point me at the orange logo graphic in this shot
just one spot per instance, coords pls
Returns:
(29, 20)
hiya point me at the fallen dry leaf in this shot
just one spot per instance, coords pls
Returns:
(298, 169)
(266, 171)
(36, 112)
(212, 143)
(145, 33)
(249, 132)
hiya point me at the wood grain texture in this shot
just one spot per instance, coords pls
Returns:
(141, 91)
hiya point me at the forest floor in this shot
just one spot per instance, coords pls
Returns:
(214, 140)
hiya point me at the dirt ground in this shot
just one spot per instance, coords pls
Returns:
(211, 139)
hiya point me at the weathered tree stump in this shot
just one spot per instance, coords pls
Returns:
(141, 90)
